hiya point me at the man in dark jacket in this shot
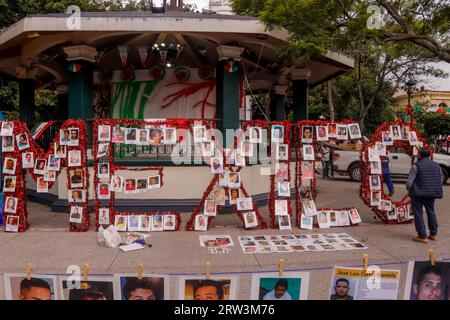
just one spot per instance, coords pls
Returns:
(425, 185)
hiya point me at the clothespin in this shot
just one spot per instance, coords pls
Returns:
(85, 272)
(140, 269)
(29, 270)
(365, 261)
(208, 270)
(281, 267)
(432, 256)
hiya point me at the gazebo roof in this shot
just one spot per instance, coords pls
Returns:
(37, 41)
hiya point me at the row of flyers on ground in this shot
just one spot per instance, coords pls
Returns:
(423, 282)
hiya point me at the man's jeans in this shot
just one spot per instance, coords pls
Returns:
(417, 205)
(387, 179)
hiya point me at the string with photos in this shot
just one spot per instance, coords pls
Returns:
(184, 124)
(155, 213)
(298, 138)
(272, 153)
(38, 153)
(364, 190)
(190, 224)
(316, 224)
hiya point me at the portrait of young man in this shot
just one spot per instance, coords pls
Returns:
(19, 287)
(341, 290)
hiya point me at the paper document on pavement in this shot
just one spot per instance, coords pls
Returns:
(131, 247)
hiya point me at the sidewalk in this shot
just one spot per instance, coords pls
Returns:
(51, 248)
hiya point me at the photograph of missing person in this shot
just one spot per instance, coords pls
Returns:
(234, 195)
(130, 137)
(103, 191)
(250, 220)
(120, 222)
(154, 182)
(201, 222)
(76, 214)
(387, 138)
(220, 196)
(116, 184)
(41, 185)
(277, 134)
(373, 154)
(308, 152)
(375, 167)
(102, 150)
(210, 208)
(143, 137)
(103, 216)
(19, 287)
(282, 152)
(77, 196)
(9, 184)
(53, 163)
(307, 134)
(130, 185)
(214, 288)
(103, 170)
(427, 282)
(64, 137)
(170, 135)
(97, 288)
(207, 149)
(342, 132)
(158, 223)
(234, 180)
(332, 130)
(7, 128)
(281, 207)
(12, 223)
(359, 284)
(145, 223)
(60, 150)
(9, 165)
(244, 204)
(255, 134)
(305, 190)
(284, 222)
(343, 218)
(309, 208)
(76, 179)
(104, 133)
(375, 198)
(216, 165)
(404, 132)
(8, 144)
(412, 137)
(74, 137)
(170, 222)
(281, 171)
(134, 222)
(402, 214)
(385, 205)
(306, 222)
(322, 133)
(246, 147)
(22, 141)
(396, 133)
(354, 216)
(118, 135)
(74, 158)
(141, 185)
(374, 182)
(270, 286)
(50, 176)
(323, 219)
(149, 287)
(199, 134)
(354, 131)
(11, 205)
(284, 189)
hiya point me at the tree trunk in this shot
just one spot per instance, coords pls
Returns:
(330, 101)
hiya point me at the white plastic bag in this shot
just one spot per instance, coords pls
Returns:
(109, 237)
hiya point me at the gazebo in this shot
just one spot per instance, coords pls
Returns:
(129, 64)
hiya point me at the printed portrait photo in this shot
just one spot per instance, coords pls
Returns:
(246, 149)
(64, 137)
(374, 182)
(308, 152)
(323, 219)
(309, 208)
(306, 222)
(74, 158)
(214, 288)
(216, 165)
(103, 191)
(19, 287)
(22, 141)
(307, 134)
(130, 185)
(402, 213)
(131, 136)
(9, 184)
(60, 150)
(9, 165)
(154, 182)
(96, 288)
(149, 287)
(281, 207)
(158, 223)
(12, 223)
(244, 204)
(387, 138)
(332, 130)
(118, 135)
(322, 133)
(354, 131)
(201, 222)
(284, 222)
(255, 134)
(145, 223)
(270, 286)
(53, 163)
(170, 222)
(427, 282)
(277, 134)
(74, 137)
(11, 204)
(250, 220)
(76, 214)
(50, 176)
(282, 152)
(375, 198)
(76, 178)
(134, 222)
(77, 196)
(120, 222)
(8, 144)
(7, 128)
(210, 208)
(342, 132)
(103, 216)
(284, 189)
(354, 216)
(102, 150)
(104, 133)
(41, 185)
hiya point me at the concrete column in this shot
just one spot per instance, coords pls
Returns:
(27, 106)
(277, 103)
(227, 92)
(300, 81)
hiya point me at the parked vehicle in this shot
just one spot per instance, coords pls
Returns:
(346, 162)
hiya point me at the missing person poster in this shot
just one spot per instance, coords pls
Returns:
(359, 284)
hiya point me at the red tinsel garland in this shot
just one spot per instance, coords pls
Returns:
(365, 168)
(20, 190)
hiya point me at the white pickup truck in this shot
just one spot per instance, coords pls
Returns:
(346, 162)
